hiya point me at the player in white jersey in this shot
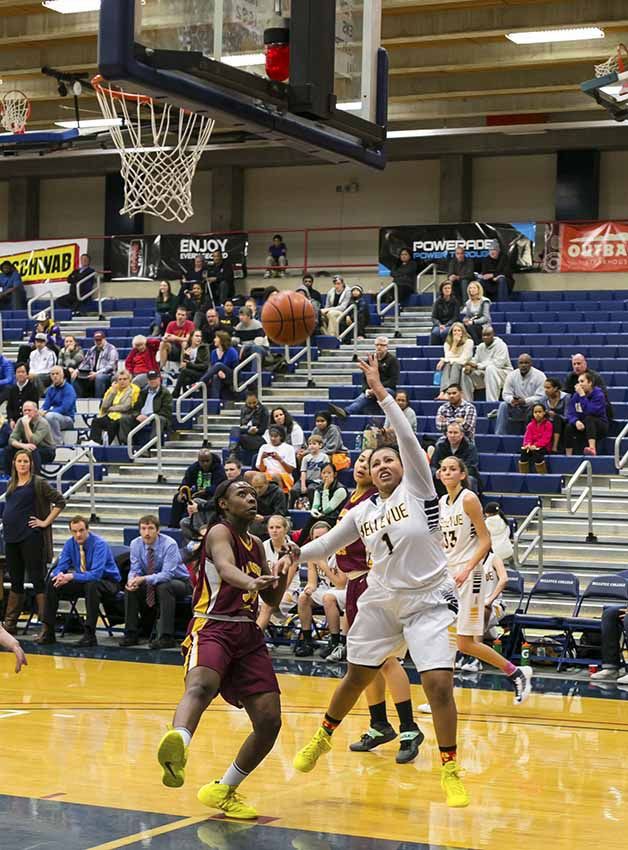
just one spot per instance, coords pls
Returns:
(410, 601)
(278, 527)
(467, 544)
(495, 580)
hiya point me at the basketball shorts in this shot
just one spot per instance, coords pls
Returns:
(339, 594)
(237, 652)
(389, 622)
(355, 588)
(471, 603)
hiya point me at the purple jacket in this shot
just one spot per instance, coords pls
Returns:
(593, 404)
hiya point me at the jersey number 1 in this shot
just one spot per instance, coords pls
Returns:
(388, 543)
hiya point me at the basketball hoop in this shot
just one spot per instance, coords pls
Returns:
(614, 64)
(15, 110)
(160, 157)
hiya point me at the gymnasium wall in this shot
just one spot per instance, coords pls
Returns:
(514, 188)
(201, 201)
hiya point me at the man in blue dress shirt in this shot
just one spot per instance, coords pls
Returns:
(158, 577)
(86, 567)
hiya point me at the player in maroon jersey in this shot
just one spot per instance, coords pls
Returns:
(225, 651)
(354, 562)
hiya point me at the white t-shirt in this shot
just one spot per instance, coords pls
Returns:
(499, 530)
(284, 450)
(400, 533)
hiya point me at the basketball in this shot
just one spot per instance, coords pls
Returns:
(288, 318)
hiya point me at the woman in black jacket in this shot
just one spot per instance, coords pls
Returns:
(445, 312)
(195, 360)
(404, 274)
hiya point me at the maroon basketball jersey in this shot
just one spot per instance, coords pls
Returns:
(353, 558)
(213, 596)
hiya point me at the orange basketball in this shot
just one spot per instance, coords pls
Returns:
(288, 318)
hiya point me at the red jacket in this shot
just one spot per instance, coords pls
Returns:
(140, 362)
(539, 434)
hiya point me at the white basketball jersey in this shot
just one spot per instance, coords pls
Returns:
(459, 537)
(491, 578)
(271, 553)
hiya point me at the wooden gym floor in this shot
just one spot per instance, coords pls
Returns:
(78, 769)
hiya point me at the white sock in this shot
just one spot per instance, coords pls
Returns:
(187, 736)
(233, 776)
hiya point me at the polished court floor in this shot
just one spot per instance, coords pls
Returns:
(78, 769)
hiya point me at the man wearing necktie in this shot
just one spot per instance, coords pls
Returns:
(157, 578)
(86, 567)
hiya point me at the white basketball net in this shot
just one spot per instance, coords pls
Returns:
(614, 64)
(159, 159)
(15, 110)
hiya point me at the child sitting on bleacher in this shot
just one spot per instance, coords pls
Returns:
(537, 441)
(311, 468)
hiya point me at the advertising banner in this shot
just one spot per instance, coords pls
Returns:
(170, 257)
(44, 263)
(437, 243)
(597, 247)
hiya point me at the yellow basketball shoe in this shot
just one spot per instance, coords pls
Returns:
(451, 784)
(305, 760)
(215, 795)
(172, 755)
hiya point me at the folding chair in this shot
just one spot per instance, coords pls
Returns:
(558, 585)
(613, 588)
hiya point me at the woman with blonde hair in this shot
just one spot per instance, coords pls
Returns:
(476, 312)
(458, 351)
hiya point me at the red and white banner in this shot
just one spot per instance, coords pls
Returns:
(598, 247)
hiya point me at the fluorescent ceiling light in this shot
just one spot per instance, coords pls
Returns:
(350, 105)
(549, 36)
(71, 7)
(244, 60)
(90, 124)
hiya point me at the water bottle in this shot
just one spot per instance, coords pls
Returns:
(525, 655)
(508, 328)
(358, 442)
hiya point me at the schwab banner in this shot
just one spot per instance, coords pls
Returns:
(44, 264)
(601, 246)
(171, 257)
(437, 243)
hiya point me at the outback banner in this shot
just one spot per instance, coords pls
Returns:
(437, 243)
(171, 257)
(597, 247)
(44, 264)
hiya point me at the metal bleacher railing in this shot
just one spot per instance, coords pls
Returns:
(587, 493)
(256, 377)
(520, 558)
(621, 461)
(31, 312)
(96, 278)
(306, 352)
(384, 309)
(155, 442)
(199, 410)
(432, 283)
(352, 330)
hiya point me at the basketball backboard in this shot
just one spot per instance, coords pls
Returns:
(208, 55)
(611, 92)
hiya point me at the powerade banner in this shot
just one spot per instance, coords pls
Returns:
(171, 257)
(437, 243)
(601, 246)
(44, 264)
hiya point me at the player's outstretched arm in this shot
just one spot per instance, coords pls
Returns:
(343, 534)
(12, 645)
(417, 472)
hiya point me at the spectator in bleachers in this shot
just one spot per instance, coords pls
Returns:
(157, 578)
(59, 405)
(43, 325)
(277, 459)
(614, 629)
(31, 433)
(537, 441)
(119, 399)
(195, 363)
(251, 335)
(579, 366)
(456, 409)
(71, 299)
(336, 303)
(294, 432)
(312, 464)
(587, 419)
(142, 359)
(194, 302)
(97, 368)
(496, 274)
(523, 388)
(327, 501)
(445, 311)
(70, 356)
(165, 308)
(7, 378)
(455, 444)
(233, 468)
(271, 499)
(152, 398)
(209, 325)
(555, 403)
(278, 535)
(314, 294)
(31, 507)
(12, 291)
(363, 314)
(22, 390)
(404, 273)
(176, 337)
(389, 375)
(220, 279)
(476, 312)
(229, 318)
(401, 397)
(460, 273)
(86, 567)
(316, 305)
(199, 482)
(489, 366)
(500, 531)
(252, 304)
(198, 274)
(223, 360)
(254, 419)
(40, 362)
(277, 258)
(330, 433)
(457, 352)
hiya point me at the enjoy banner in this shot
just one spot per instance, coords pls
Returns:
(171, 257)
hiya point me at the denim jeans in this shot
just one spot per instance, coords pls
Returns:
(511, 420)
(214, 383)
(364, 402)
(612, 628)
